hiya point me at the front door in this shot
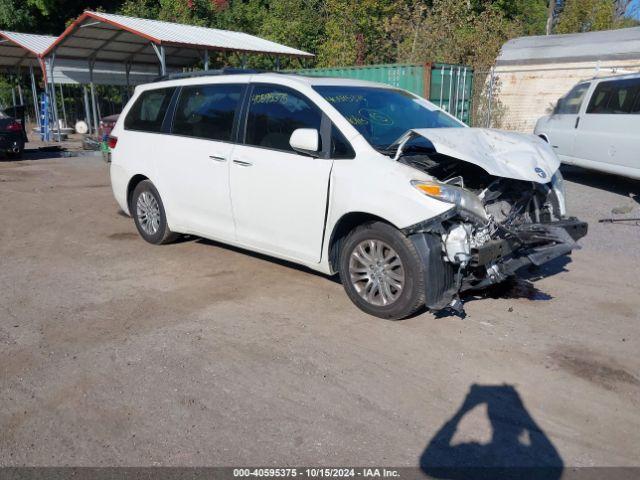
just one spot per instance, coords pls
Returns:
(565, 120)
(193, 162)
(609, 132)
(279, 196)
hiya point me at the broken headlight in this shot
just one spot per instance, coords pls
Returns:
(458, 196)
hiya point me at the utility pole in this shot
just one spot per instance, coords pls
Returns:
(552, 11)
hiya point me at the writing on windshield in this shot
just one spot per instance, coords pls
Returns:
(382, 115)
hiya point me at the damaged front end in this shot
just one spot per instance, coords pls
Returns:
(497, 225)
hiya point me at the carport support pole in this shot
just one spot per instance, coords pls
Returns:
(93, 96)
(127, 71)
(53, 97)
(159, 49)
(87, 108)
(36, 109)
(19, 77)
(206, 60)
(64, 109)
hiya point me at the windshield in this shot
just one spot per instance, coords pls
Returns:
(382, 115)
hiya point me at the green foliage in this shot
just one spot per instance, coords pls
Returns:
(345, 32)
(451, 31)
(590, 15)
(15, 15)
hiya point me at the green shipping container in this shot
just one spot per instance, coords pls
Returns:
(448, 86)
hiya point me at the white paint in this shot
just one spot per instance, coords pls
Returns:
(503, 154)
(604, 142)
(275, 202)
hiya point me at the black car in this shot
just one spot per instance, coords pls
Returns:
(12, 135)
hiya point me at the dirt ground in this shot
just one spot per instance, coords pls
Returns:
(116, 352)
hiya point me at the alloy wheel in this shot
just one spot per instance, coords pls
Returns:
(376, 272)
(148, 213)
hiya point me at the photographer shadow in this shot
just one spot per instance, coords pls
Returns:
(518, 447)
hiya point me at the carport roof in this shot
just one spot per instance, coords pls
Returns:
(117, 38)
(17, 49)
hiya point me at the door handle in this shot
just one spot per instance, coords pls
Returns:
(218, 158)
(242, 163)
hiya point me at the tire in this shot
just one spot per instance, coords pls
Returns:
(360, 273)
(15, 155)
(149, 216)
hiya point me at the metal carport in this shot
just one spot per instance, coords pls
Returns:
(98, 36)
(140, 44)
(18, 50)
(26, 50)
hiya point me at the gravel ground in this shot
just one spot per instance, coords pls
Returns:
(116, 352)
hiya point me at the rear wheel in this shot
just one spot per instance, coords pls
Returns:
(149, 215)
(15, 155)
(381, 271)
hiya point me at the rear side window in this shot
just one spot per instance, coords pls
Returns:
(207, 111)
(570, 103)
(147, 114)
(615, 97)
(274, 113)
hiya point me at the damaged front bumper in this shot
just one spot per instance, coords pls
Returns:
(531, 244)
(489, 261)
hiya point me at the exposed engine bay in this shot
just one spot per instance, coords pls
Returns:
(509, 223)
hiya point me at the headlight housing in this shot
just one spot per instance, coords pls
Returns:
(557, 184)
(463, 199)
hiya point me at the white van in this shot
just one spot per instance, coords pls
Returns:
(597, 125)
(405, 202)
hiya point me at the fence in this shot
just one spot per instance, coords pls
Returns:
(448, 86)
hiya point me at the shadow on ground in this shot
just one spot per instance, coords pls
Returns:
(518, 448)
(627, 187)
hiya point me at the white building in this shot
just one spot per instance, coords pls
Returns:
(533, 72)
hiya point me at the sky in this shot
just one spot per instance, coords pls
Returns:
(634, 9)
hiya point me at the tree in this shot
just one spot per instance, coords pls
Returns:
(16, 15)
(591, 15)
(354, 32)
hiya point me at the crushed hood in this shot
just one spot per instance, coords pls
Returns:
(499, 153)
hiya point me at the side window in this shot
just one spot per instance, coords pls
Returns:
(570, 103)
(207, 111)
(147, 114)
(274, 113)
(615, 97)
(635, 108)
(340, 147)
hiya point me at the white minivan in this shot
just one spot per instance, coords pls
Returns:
(597, 125)
(406, 203)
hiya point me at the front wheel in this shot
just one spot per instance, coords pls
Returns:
(381, 271)
(149, 215)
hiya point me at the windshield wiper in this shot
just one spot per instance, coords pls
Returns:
(385, 150)
(400, 143)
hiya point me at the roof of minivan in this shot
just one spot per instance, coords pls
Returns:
(276, 78)
(624, 76)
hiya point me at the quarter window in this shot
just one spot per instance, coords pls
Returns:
(340, 147)
(274, 113)
(207, 111)
(147, 114)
